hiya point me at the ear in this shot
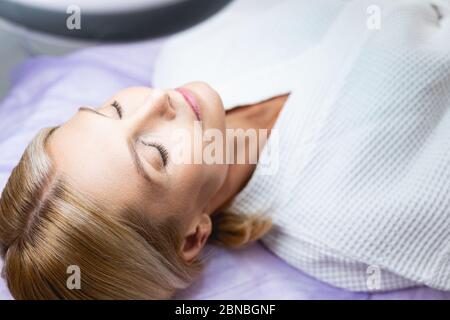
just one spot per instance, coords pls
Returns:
(195, 239)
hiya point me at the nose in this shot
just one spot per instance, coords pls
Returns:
(156, 107)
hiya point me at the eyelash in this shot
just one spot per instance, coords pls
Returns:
(118, 108)
(162, 150)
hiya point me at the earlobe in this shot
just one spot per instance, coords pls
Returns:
(196, 239)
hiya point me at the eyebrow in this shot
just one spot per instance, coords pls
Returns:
(131, 147)
(137, 160)
(92, 111)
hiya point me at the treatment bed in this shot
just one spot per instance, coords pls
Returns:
(47, 90)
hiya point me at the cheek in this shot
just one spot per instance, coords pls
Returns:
(213, 177)
(192, 184)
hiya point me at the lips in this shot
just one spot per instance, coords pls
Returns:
(191, 100)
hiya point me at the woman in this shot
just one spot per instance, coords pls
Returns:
(359, 182)
(99, 189)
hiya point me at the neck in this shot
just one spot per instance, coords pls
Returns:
(258, 116)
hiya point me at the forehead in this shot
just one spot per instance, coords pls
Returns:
(94, 154)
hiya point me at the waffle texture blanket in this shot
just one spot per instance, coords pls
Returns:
(362, 183)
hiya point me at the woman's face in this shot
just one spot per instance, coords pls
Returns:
(121, 153)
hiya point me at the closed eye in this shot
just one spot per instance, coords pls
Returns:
(161, 149)
(118, 108)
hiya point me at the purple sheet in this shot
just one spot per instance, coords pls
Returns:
(46, 91)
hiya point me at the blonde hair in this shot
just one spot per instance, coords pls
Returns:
(46, 226)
